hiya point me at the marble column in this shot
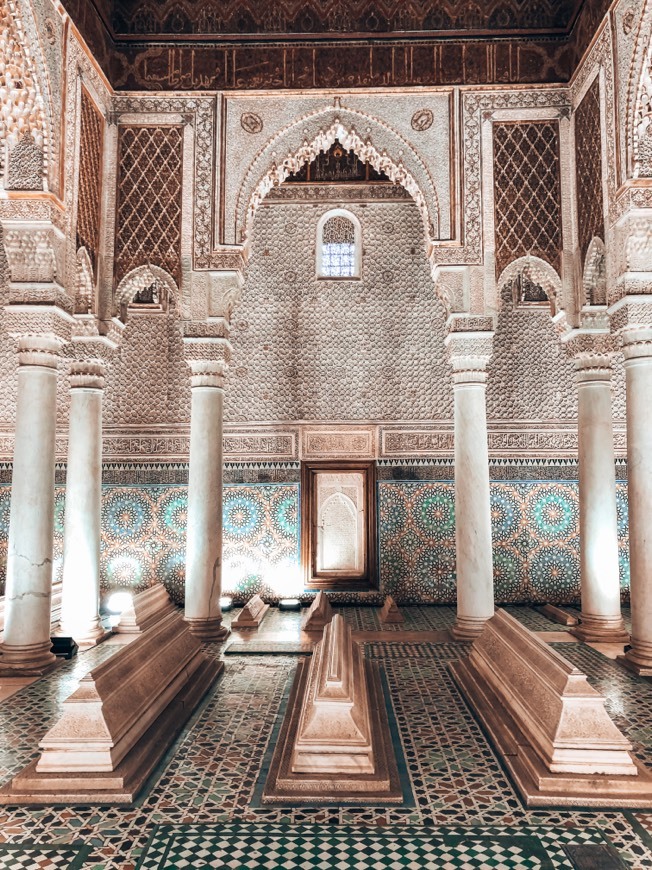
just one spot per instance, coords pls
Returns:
(204, 524)
(26, 646)
(469, 356)
(637, 349)
(80, 617)
(601, 619)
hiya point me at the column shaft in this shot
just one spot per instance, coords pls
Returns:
(26, 646)
(81, 549)
(637, 348)
(601, 619)
(475, 590)
(204, 528)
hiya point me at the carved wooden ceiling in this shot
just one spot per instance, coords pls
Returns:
(240, 44)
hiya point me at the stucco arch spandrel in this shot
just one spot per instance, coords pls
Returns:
(639, 98)
(371, 139)
(539, 272)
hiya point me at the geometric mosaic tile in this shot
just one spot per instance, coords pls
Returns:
(261, 847)
(210, 777)
(35, 857)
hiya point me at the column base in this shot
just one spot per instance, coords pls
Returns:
(638, 659)
(468, 628)
(601, 629)
(207, 628)
(28, 660)
(84, 636)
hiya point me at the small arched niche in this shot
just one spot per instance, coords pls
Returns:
(595, 273)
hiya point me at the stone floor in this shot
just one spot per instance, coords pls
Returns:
(198, 810)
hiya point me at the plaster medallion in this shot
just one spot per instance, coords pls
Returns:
(422, 120)
(251, 123)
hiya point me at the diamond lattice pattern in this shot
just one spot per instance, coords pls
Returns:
(90, 177)
(527, 192)
(149, 199)
(588, 163)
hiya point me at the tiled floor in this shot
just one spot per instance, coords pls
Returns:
(208, 781)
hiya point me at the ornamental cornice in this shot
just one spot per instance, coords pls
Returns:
(631, 312)
(581, 344)
(44, 320)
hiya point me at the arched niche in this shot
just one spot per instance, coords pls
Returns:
(148, 288)
(594, 279)
(540, 275)
(373, 141)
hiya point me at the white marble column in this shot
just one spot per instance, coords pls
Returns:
(80, 617)
(204, 525)
(601, 619)
(469, 355)
(26, 647)
(637, 349)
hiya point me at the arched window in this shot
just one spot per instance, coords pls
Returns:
(338, 245)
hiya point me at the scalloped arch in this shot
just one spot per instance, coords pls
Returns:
(536, 270)
(141, 278)
(382, 147)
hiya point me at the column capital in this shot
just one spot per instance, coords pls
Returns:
(593, 355)
(87, 375)
(39, 350)
(469, 354)
(637, 342)
(207, 373)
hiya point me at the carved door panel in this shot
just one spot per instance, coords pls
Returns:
(338, 525)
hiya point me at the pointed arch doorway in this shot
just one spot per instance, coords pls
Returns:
(338, 525)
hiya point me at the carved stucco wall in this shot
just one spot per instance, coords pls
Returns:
(316, 349)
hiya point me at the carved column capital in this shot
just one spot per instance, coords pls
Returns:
(469, 354)
(87, 375)
(207, 373)
(39, 350)
(637, 343)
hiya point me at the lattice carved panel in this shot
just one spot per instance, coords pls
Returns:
(588, 168)
(527, 192)
(148, 226)
(90, 178)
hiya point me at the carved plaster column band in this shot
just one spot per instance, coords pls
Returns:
(469, 354)
(80, 617)
(637, 348)
(601, 619)
(204, 530)
(26, 647)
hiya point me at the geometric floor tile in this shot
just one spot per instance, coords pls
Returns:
(35, 857)
(279, 847)
(210, 776)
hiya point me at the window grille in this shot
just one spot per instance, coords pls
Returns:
(338, 248)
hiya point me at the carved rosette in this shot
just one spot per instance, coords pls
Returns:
(87, 375)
